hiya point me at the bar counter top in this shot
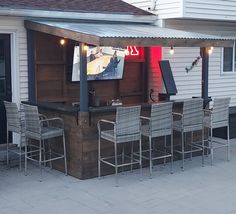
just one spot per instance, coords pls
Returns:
(75, 109)
(55, 106)
(69, 109)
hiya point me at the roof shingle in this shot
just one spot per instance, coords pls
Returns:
(94, 6)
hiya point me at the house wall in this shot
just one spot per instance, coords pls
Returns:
(189, 84)
(169, 9)
(19, 69)
(196, 9)
(208, 9)
(163, 8)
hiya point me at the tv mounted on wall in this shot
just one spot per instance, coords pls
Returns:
(103, 63)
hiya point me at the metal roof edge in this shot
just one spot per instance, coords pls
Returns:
(149, 19)
(122, 35)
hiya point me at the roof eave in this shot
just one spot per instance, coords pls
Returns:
(78, 16)
(123, 41)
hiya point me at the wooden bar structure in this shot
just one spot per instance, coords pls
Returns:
(51, 88)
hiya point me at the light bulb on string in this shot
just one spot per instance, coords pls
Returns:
(85, 47)
(62, 42)
(172, 51)
(210, 50)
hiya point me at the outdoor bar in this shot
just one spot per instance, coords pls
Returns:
(81, 99)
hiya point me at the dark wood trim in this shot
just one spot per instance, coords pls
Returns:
(205, 73)
(56, 31)
(50, 62)
(146, 73)
(8, 73)
(83, 79)
(149, 42)
(31, 65)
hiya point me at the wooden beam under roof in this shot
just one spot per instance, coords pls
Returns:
(164, 42)
(61, 32)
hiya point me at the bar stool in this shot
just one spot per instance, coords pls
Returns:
(217, 117)
(159, 124)
(15, 124)
(36, 129)
(190, 120)
(126, 129)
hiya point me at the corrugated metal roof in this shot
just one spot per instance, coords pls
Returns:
(106, 33)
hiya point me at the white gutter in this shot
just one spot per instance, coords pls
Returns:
(77, 15)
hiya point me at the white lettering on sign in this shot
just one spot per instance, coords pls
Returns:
(132, 51)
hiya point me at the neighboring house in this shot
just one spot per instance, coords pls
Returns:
(206, 16)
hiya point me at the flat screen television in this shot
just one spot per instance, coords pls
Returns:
(103, 63)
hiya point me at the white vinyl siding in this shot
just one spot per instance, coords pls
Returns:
(164, 8)
(19, 69)
(224, 10)
(169, 9)
(189, 84)
(142, 4)
(209, 9)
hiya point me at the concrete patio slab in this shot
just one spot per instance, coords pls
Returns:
(197, 190)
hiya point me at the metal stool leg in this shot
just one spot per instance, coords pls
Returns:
(40, 160)
(228, 144)
(99, 156)
(116, 167)
(208, 134)
(182, 139)
(150, 156)
(26, 154)
(20, 156)
(211, 146)
(132, 156)
(172, 152)
(64, 148)
(7, 148)
(165, 152)
(191, 144)
(50, 154)
(140, 159)
(44, 152)
(203, 147)
(123, 157)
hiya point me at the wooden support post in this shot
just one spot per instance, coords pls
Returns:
(83, 79)
(31, 66)
(205, 73)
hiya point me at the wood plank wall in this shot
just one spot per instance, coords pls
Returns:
(53, 65)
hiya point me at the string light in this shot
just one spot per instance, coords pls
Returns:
(172, 51)
(62, 42)
(85, 47)
(210, 50)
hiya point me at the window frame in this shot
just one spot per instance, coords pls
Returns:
(233, 72)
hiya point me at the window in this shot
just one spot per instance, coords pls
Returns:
(229, 59)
